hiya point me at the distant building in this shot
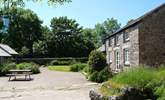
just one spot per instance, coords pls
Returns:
(6, 52)
(141, 41)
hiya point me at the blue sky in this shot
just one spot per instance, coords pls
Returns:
(89, 12)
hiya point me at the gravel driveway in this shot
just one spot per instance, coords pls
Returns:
(48, 85)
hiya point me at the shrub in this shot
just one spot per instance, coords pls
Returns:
(138, 77)
(93, 76)
(87, 70)
(100, 76)
(151, 83)
(160, 91)
(104, 75)
(97, 60)
(6, 67)
(62, 62)
(31, 66)
(77, 67)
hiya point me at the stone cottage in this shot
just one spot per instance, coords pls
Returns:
(141, 41)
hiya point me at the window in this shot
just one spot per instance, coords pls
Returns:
(117, 40)
(110, 59)
(126, 36)
(126, 57)
(110, 42)
(117, 59)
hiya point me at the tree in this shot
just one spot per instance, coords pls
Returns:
(40, 47)
(91, 37)
(21, 3)
(24, 30)
(101, 32)
(108, 27)
(111, 25)
(65, 38)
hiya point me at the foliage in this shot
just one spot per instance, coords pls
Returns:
(150, 82)
(24, 51)
(93, 76)
(104, 75)
(91, 37)
(67, 36)
(39, 48)
(21, 3)
(106, 28)
(77, 67)
(24, 30)
(97, 60)
(138, 77)
(100, 76)
(62, 62)
(64, 68)
(31, 66)
(6, 67)
(111, 88)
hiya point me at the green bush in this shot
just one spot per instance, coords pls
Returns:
(31, 66)
(62, 62)
(138, 77)
(104, 75)
(93, 76)
(97, 60)
(100, 76)
(6, 67)
(87, 70)
(151, 82)
(77, 67)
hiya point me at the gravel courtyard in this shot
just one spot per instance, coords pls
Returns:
(48, 85)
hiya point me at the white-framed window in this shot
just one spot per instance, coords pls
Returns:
(117, 59)
(126, 37)
(110, 57)
(116, 40)
(126, 57)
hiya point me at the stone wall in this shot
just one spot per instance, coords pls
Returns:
(152, 38)
(128, 93)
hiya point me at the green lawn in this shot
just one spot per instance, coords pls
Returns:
(64, 68)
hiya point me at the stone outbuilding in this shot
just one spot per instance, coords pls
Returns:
(141, 41)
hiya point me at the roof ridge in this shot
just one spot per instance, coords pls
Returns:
(137, 20)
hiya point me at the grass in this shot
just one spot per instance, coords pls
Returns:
(140, 78)
(63, 68)
(110, 88)
(137, 77)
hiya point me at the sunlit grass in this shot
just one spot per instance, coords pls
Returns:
(63, 68)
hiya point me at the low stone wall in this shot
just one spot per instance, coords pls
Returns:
(128, 93)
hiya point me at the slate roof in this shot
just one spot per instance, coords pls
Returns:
(8, 49)
(136, 21)
(3, 53)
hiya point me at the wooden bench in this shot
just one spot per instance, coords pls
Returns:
(15, 73)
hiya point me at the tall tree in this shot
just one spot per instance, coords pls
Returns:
(65, 38)
(24, 30)
(106, 28)
(91, 36)
(111, 25)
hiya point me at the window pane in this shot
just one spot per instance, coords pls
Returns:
(110, 41)
(126, 56)
(126, 36)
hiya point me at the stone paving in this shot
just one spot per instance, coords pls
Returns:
(48, 85)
